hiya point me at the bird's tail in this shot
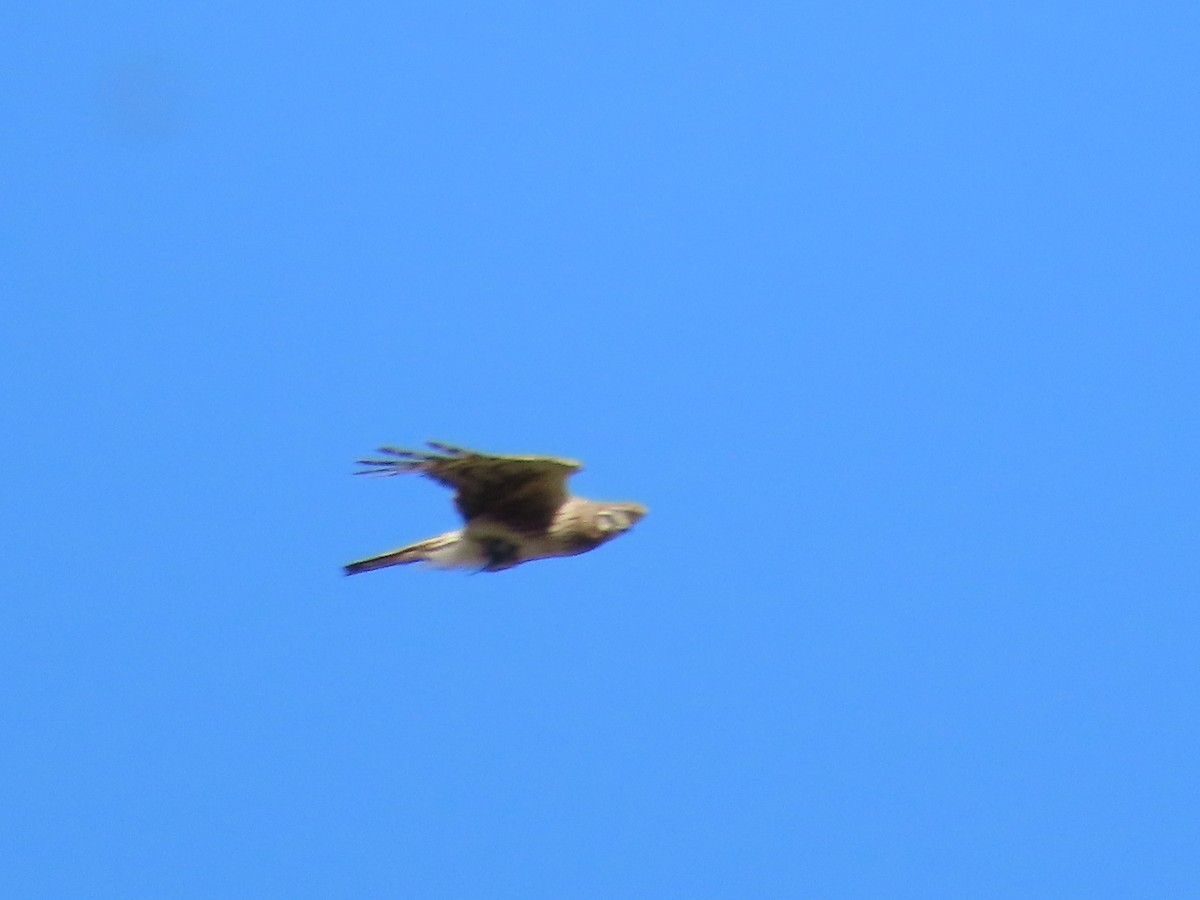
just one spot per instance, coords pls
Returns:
(440, 550)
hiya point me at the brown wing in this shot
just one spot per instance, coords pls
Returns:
(523, 492)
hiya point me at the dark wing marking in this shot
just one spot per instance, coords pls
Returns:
(523, 492)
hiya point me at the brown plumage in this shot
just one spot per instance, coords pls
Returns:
(516, 509)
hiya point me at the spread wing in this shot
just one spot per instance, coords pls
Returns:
(523, 492)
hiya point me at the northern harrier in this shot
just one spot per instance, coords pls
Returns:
(516, 508)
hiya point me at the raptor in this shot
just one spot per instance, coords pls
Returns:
(515, 509)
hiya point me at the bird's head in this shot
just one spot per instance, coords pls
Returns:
(613, 519)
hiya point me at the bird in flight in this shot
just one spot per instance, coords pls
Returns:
(516, 509)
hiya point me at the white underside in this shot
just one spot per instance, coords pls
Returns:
(467, 553)
(461, 554)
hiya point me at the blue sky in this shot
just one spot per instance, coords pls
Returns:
(887, 311)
